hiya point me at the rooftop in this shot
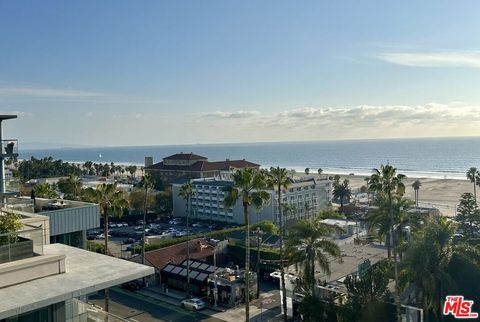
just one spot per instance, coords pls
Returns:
(185, 156)
(86, 272)
(206, 166)
(176, 254)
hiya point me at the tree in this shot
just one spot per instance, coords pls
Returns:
(132, 169)
(136, 201)
(342, 192)
(367, 293)
(320, 171)
(45, 190)
(307, 246)
(380, 220)
(9, 225)
(248, 186)
(416, 186)
(473, 175)
(71, 186)
(330, 213)
(307, 171)
(468, 215)
(386, 181)
(426, 265)
(278, 179)
(111, 201)
(146, 183)
(186, 193)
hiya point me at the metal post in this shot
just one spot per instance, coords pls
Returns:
(2, 163)
(215, 289)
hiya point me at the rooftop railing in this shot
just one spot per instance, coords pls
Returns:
(22, 244)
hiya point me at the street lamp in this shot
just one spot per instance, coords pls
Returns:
(215, 290)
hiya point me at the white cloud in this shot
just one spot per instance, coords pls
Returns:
(470, 59)
(45, 92)
(231, 115)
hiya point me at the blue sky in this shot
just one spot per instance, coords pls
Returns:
(170, 72)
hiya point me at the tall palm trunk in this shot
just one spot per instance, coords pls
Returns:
(282, 269)
(395, 266)
(247, 262)
(105, 234)
(475, 190)
(188, 247)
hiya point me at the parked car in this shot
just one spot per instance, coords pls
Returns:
(102, 236)
(180, 234)
(132, 286)
(194, 304)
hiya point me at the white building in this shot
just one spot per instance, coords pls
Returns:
(305, 197)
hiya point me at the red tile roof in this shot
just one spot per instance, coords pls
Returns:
(206, 166)
(185, 156)
(178, 253)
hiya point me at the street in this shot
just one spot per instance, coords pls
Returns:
(136, 307)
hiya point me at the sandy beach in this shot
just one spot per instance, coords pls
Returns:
(443, 194)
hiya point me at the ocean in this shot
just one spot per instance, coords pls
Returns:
(433, 157)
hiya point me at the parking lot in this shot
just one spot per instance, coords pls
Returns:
(124, 236)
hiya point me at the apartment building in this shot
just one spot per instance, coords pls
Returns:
(305, 197)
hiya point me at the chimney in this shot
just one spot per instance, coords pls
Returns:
(148, 161)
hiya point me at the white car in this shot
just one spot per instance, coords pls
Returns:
(180, 234)
(194, 304)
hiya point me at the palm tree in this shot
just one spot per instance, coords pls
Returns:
(427, 264)
(278, 179)
(380, 220)
(472, 175)
(111, 201)
(75, 184)
(249, 186)
(186, 193)
(342, 191)
(386, 181)
(307, 247)
(307, 171)
(320, 171)
(416, 186)
(45, 190)
(146, 183)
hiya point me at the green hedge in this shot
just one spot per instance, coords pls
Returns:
(218, 234)
(237, 255)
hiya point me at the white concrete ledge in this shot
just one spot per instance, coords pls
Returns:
(28, 269)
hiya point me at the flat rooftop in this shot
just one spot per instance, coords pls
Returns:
(352, 255)
(86, 272)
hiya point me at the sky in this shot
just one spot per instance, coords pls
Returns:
(113, 72)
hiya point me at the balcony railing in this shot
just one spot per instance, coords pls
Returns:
(81, 311)
(12, 185)
(9, 148)
(22, 244)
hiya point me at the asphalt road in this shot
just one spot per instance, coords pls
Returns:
(138, 308)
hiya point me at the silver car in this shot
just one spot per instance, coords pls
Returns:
(194, 304)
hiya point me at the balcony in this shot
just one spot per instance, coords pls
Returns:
(9, 148)
(23, 244)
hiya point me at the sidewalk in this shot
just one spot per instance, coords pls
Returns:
(264, 309)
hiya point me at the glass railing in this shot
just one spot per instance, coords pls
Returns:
(9, 147)
(19, 204)
(22, 244)
(12, 185)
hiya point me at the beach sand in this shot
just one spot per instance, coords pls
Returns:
(443, 194)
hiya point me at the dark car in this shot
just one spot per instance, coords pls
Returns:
(131, 286)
